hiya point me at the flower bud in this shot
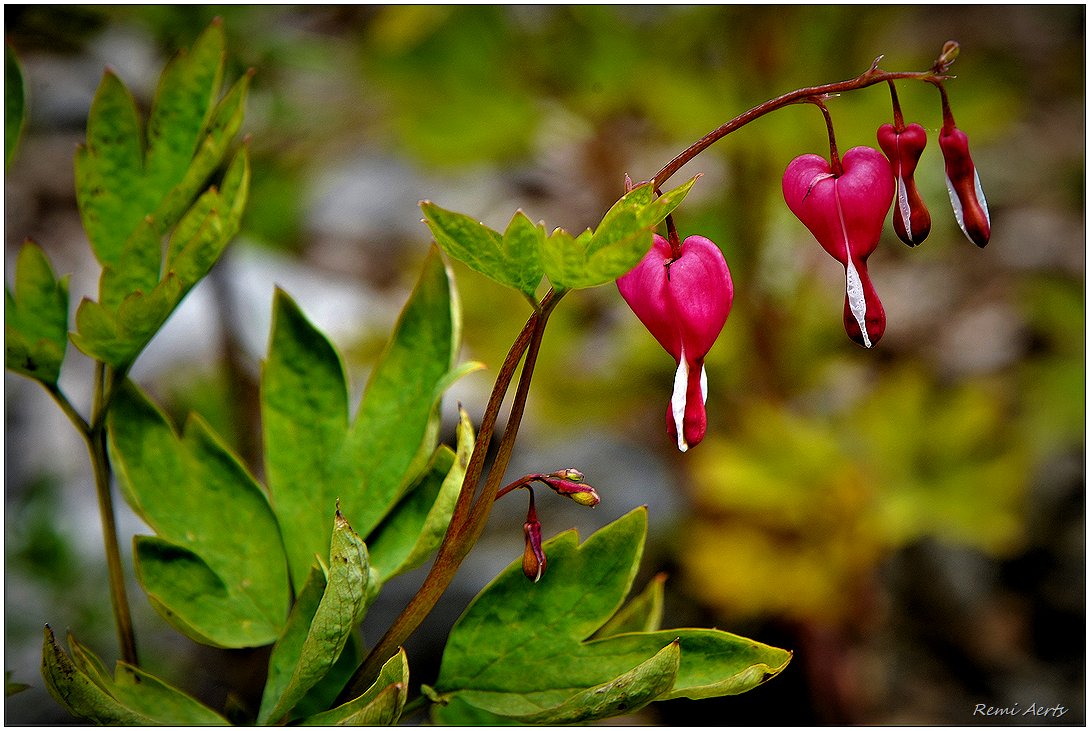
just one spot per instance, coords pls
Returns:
(911, 220)
(574, 489)
(845, 212)
(683, 299)
(533, 558)
(963, 183)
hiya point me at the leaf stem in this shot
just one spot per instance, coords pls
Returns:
(470, 515)
(95, 435)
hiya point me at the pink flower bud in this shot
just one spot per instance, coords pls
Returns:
(845, 213)
(911, 220)
(963, 183)
(683, 301)
(573, 489)
(533, 558)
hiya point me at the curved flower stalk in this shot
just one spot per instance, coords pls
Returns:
(682, 295)
(845, 211)
(903, 147)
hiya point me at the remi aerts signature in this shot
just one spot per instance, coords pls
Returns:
(1036, 710)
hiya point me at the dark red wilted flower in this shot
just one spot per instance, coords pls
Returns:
(963, 183)
(845, 212)
(911, 220)
(683, 298)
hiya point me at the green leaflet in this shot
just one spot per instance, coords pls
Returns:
(329, 607)
(520, 649)
(131, 195)
(620, 241)
(85, 689)
(134, 301)
(314, 455)
(513, 259)
(418, 524)
(215, 583)
(35, 318)
(379, 705)
(14, 102)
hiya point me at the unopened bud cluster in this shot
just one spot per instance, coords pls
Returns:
(569, 483)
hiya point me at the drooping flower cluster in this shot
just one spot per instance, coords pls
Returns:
(682, 292)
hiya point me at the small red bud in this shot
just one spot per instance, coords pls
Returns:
(911, 220)
(533, 558)
(963, 183)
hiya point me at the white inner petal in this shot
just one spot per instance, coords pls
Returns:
(959, 213)
(980, 197)
(904, 208)
(853, 287)
(677, 400)
(704, 383)
(857, 300)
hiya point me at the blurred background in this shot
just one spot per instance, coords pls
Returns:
(910, 520)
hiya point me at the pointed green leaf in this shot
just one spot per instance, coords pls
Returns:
(225, 124)
(513, 259)
(182, 106)
(110, 170)
(216, 583)
(341, 608)
(117, 338)
(641, 614)
(379, 705)
(521, 648)
(35, 317)
(313, 456)
(627, 693)
(14, 102)
(143, 693)
(78, 694)
(418, 524)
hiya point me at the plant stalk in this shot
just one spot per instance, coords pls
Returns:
(470, 515)
(95, 436)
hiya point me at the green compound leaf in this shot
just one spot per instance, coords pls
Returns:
(35, 318)
(14, 102)
(520, 651)
(132, 697)
(379, 705)
(217, 584)
(513, 259)
(131, 197)
(329, 607)
(418, 524)
(314, 455)
(617, 245)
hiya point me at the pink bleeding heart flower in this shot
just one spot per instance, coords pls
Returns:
(845, 212)
(963, 183)
(903, 148)
(683, 298)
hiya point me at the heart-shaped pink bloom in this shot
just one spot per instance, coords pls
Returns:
(911, 220)
(684, 303)
(845, 213)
